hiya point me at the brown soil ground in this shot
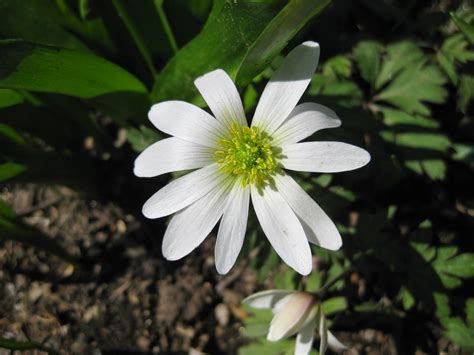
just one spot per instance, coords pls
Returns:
(125, 298)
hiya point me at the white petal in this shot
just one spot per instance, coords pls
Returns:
(286, 87)
(282, 228)
(182, 192)
(171, 154)
(230, 236)
(305, 120)
(292, 317)
(334, 343)
(266, 299)
(323, 333)
(189, 227)
(186, 121)
(304, 339)
(323, 157)
(319, 228)
(222, 97)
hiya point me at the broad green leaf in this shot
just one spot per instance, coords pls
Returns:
(466, 28)
(9, 170)
(442, 305)
(213, 48)
(31, 21)
(464, 153)
(9, 98)
(399, 55)
(257, 323)
(333, 305)
(416, 84)
(276, 35)
(35, 67)
(367, 56)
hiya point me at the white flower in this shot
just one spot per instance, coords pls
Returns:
(237, 163)
(295, 313)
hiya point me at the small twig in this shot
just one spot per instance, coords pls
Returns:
(40, 206)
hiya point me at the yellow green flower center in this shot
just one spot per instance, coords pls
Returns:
(248, 153)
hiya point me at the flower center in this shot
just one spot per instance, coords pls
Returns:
(247, 153)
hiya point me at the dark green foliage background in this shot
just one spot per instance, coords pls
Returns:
(398, 73)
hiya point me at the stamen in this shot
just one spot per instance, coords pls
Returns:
(248, 153)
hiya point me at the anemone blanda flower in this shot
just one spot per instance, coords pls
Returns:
(295, 313)
(237, 163)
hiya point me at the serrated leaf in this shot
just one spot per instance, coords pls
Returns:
(399, 55)
(35, 67)
(394, 117)
(338, 66)
(454, 50)
(466, 28)
(367, 56)
(465, 91)
(459, 333)
(415, 85)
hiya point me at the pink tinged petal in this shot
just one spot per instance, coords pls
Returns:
(334, 343)
(230, 236)
(286, 87)
(189, 227)
(171, 154)
(266, 299)
(183, 191)
(319, 228)
(222, 97)
(305, 120)
(304, 339)
(323, 157)
(282, 228)
(186, 121)
(323, 333)
(292, 317)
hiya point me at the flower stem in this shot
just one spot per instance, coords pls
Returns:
(166, 25)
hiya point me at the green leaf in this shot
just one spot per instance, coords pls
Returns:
(11, 344)
(399, 55)
(142, 138)
(11, 134)
(466, 28)
(10, 98)
(41, 68)
(9, 170)
(416, 84)
(257, 324)
(459, 333)
(393, 118)
(334, 305)
(367, 56)
(465, 92)
(31, 21)
(213, 48)
(283, 347)
(338, 66)
(5, 210)
(276, 35)
(454, 50)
